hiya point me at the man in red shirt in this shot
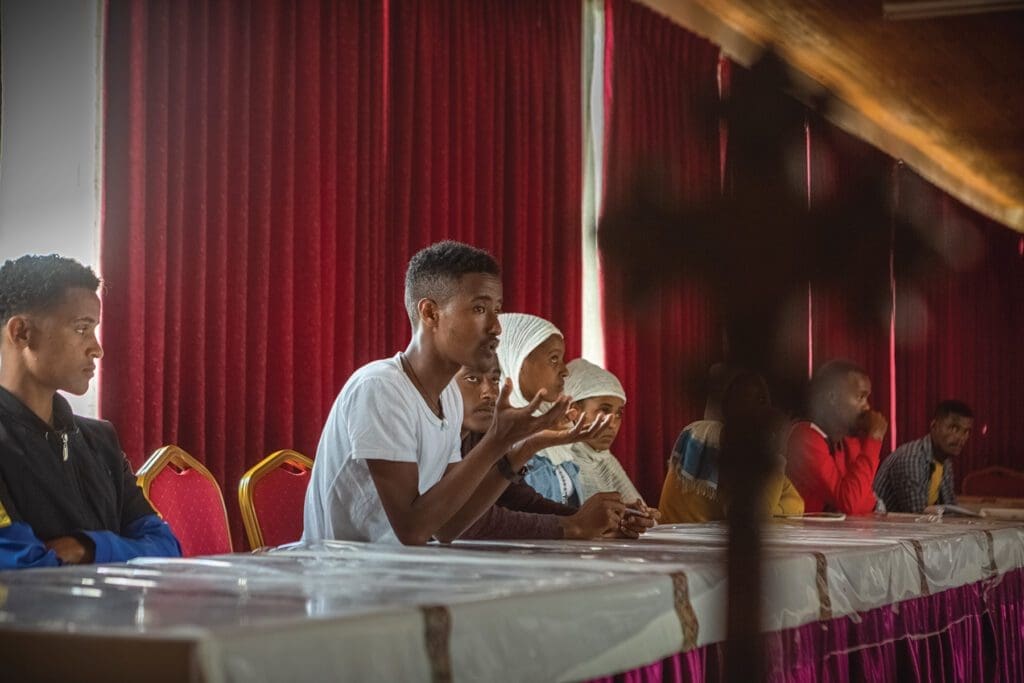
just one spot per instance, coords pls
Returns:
(833, 457)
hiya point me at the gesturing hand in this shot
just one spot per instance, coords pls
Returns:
(568, 433)
(512, 425)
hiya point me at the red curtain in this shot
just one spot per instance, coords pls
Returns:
(959, 326)
(242, 201)
(270, 166)
(486, 144)
(659, 80)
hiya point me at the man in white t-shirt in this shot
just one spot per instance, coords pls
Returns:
(388, 466)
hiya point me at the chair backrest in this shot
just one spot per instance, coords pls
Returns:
(188, 497)
(999, 482)
(271, 495)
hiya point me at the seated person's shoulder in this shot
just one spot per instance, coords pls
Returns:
(906, 448)
(384, 370)
(380, 415)
(699, 427)
(372, 381)
(905, 455)
(706, 431)
(544, 461)
(100, 435)
(95, 426)
(805, 438)
(804, 430)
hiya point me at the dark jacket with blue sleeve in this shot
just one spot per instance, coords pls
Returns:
(70, 480)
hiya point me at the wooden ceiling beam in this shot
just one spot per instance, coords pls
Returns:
(944, 96)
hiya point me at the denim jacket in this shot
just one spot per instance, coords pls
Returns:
(544, 479)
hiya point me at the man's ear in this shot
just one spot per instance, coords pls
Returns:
(428, 310)
(18, 331)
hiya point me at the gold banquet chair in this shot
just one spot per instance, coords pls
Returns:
(189, 499)
(271, 495)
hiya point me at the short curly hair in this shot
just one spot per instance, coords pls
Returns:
(36, 283)
(433, 272)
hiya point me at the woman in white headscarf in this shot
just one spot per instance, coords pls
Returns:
(597, 393)
(532, 354)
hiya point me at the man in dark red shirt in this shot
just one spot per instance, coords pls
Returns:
(832, 458)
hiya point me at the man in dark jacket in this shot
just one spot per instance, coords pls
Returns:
(67, 493)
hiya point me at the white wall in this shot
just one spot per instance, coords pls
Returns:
(49, 196)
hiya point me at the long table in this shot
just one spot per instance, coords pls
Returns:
(516, 611)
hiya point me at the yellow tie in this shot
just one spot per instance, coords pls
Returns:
(936, 481)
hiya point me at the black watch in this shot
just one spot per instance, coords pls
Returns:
(505, 469)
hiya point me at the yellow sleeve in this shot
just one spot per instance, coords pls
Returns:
(935, 483)
(780, 497)
(679, 506)
(789, 501)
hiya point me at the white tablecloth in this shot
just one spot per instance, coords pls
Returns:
(523, 611)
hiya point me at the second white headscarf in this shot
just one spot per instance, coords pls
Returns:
(588, 380)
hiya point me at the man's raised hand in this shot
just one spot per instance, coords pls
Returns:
(564, 435)
(512, 425)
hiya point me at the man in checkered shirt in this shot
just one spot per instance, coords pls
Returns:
(920, 473)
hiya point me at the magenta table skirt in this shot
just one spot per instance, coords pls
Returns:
(973, 633)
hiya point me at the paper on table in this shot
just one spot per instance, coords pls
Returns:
(1002, 513)
(929, 515)
(817, 516)
(952, 510)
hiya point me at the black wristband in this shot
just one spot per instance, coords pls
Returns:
(505, 469)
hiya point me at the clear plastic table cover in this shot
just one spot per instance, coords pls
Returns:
(530, 610)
